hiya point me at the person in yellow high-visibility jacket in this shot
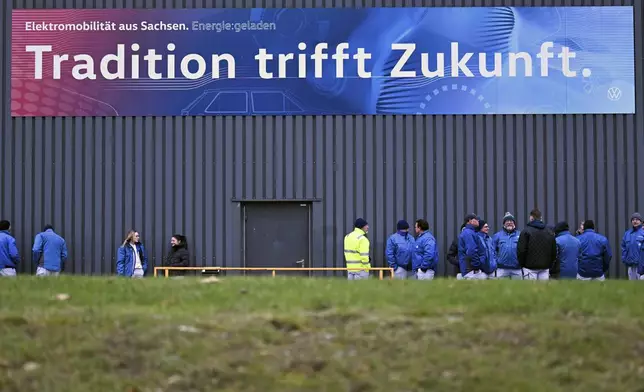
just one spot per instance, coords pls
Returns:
(356, 251)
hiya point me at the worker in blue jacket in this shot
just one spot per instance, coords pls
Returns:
(632, 247)
(640, 269)
(400, 250)
(9, 256)
(426, 252)
(595, 254)
(53, 250)
(568, 251)
(469, 248)
(504, 244)
(488, 259)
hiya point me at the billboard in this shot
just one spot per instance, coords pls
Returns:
(309, 61)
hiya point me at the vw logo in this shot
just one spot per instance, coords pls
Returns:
(614, 94)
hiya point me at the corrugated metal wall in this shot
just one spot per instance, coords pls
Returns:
(93, 178)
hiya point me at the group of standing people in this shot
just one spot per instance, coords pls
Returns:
(538, 252)
(132, 259)
(409, 256)
(49, 254)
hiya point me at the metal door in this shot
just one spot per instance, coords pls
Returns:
(277, 235)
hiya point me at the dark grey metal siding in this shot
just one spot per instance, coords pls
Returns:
(94, 178)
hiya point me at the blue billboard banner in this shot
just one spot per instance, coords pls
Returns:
(479, 60)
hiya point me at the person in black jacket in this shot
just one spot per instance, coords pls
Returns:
(179, 256)
(452, 255)
(537, 249)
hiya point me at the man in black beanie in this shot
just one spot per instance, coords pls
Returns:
(9, 256)
(595, 254)
(568, 251)
(399, 251)
(356, 251)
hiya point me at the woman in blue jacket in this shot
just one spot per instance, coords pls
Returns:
(132, 260)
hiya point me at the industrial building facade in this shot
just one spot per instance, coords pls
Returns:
(283, 190)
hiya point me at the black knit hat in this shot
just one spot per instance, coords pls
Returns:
(5, 225)
(360, 223)
(481, 224)
(561, 226)
(402, 225)
(469, 217)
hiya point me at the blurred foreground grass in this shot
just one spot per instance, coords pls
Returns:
(270, 335)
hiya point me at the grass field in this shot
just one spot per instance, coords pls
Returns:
(270, 335)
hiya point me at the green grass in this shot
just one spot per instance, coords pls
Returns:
(270, 335)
